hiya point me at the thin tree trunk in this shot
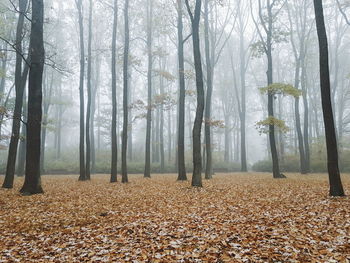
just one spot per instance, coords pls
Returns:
(88, 107)
(197, 127)
(82, 176)
(125, 94)
(114, 138)
(17, 114)
(22, 145)
(147, 172)
(272, 139)
(207, 117)
(181, 119)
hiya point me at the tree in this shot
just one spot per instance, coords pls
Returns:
(197, 127)
(266, 44)
(82, 176)
(89, 93)
(299, 36)
(125, 93)
(47, 97)
(20, 81)
(147, 172)
(208, 59)
(182, 94)
(336, 187)
(114, 96)
(32, 182)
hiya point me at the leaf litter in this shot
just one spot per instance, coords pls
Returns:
(234, 218)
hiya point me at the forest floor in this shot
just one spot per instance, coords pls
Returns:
(233, 218)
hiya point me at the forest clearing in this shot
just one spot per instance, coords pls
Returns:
(233, 218)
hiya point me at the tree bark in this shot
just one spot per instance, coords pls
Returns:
(207, 114)
(125, 94)
(336, 187)
(88, 106)
(182, 94)
(147, 172)
(19, 87)
(32, 182)
(82, 176)
(197, 127)
(114, 138)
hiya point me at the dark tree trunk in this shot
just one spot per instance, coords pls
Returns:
(88, 106)
(336, 187)
(272, 139)
(82, 176)
(125, 94)
(114, 97)
(32, 182)
(147, 172)
(181, 122)
(207, 117)
(17, 114)
(197, 127)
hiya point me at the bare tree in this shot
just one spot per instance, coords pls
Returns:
(336, 187)
(32, 182)
(114, 96)
(125, 93)
(197, 127)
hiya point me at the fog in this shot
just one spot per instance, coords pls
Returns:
(235, 36)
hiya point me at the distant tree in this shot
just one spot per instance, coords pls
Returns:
(336, 187)
(197, 127)
(47, 98)
(114, 96)
(20, 80)
(125, 93)
(147, 172)
(32, 182)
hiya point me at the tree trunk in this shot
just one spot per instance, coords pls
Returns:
(32, 182)
(242, 115)
(88, 106)
(82, 176)
(336, 187)
(272, 139)
(182, 94)
(306, 118)
(197, 127)
(114, 139)
(22, 144)
(47, 90)
(17, 114)
(161, 124)
(297, 121)
(147, 172)
(207, 117)
(125, 94)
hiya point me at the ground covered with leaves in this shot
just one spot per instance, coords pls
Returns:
(233, 218)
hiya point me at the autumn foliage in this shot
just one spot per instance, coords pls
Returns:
(234, 218)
